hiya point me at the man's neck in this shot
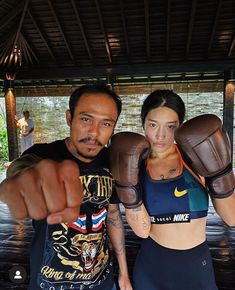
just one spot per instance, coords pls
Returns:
(74, 152)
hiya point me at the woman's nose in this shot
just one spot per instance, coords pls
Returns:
(161, 133)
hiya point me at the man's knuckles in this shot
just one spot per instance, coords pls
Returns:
(47, 167)
(69, 170)
(70, 214)
(38, 214)
(75, 202)
(7, 190)
(53, 201)
(58, 205)
(64, 170)
(19, 214)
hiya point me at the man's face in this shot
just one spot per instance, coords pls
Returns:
(26, 115)
(92, 125)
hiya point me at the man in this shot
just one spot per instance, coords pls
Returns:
(26, 126)
(72, 206)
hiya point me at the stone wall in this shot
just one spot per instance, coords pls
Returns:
(48, 113)
(196, 104)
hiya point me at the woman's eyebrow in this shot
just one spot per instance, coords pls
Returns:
(172, 122)
(169, 122)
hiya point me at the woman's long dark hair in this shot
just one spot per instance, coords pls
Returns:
(163, 98)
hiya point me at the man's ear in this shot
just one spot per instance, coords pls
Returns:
(109, 142)
(68, 118)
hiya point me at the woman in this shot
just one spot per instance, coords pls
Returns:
(174, 255)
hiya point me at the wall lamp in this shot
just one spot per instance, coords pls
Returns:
(9, 82)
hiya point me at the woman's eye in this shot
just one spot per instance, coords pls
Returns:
(173, 127)
(152, 125)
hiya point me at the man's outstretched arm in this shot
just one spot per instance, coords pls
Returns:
(42, 189)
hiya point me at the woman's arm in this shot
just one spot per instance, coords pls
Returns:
(138, 219)
(225, 207)
(116, 233)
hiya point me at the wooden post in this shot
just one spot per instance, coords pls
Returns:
(10, 117)
(228, 104)
(110, 81)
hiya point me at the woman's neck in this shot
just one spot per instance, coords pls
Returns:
(163, 155)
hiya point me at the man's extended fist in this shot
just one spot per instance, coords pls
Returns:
(48, 189)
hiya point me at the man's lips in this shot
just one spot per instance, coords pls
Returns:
(90, 142)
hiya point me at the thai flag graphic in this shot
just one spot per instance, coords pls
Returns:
(79, 225)
(98, 219)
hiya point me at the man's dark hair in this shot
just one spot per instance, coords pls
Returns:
(25, 112)
(93, 89)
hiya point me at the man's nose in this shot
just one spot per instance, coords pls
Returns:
(94, 129)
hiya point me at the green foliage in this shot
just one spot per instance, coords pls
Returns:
(3, 146)
(2, 123)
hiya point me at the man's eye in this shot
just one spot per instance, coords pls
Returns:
(106, 124)
(84, 119)
(152, 125)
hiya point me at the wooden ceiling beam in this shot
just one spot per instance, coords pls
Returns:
(124, 70)
(125, 30)
(21, 23)
(190, 30)
(2, 2)
(231, 47)
(146, 18)
(61, 30)
(28, 48)
(16, 46)
(4, 56)
(43, 37)
(168, 28)
(121, 89)
(14, 12)
(82, 30)
(213, 31)
(107, 45)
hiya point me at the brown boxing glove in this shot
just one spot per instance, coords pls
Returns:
(205, 142)
(127, 150)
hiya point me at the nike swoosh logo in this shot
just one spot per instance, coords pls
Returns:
(181, 193)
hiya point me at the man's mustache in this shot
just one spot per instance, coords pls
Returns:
(88, 139)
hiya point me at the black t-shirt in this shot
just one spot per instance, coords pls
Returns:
(75, 255)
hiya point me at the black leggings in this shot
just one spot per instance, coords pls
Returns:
(160, 268)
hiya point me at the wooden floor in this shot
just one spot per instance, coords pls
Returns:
(15, 239)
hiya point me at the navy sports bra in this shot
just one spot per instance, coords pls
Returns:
(175, 200)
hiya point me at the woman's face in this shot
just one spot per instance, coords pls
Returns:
(159, 127)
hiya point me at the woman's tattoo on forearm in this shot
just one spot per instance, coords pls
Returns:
(145, 223)
(141, 219)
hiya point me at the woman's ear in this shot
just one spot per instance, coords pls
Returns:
(68, 118)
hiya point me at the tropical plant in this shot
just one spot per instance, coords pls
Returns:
(3, 147)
